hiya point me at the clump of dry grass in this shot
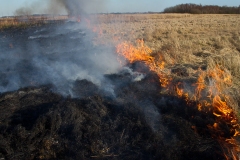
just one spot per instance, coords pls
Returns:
(5, 23)
(15, 22)
(27, 21)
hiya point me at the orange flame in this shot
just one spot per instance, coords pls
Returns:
(142, 53)
(200, 84)
(139, 53)
(179, 90)
(218, 80)
(221, 109)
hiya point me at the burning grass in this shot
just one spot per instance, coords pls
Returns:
(209, 89)
(185, 67)
(184, 41)
(196, 45)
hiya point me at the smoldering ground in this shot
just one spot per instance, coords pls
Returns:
(54, 54)
(140, 123)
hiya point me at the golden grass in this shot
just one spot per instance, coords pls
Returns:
(26, 21)
(184, 40)
(187, 38)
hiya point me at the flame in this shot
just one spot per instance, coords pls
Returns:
(179, 90)
(140, 52)
(75, 18)
(219, 80)
(221, 109)
(200, 84)
(211, 82)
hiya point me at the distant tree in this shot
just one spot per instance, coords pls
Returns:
(200, 9)
(196, 11)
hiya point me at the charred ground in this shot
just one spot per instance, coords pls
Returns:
(39, 124)
(136, 122)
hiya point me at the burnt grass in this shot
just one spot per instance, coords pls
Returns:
(39, 124)
(139, 122)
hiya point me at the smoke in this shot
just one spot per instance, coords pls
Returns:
(41, 7)
(55, 54)
(152, 115)
(71, 7)
(58, 55)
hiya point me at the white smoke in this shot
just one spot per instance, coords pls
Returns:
(70, 7)
(49, 56)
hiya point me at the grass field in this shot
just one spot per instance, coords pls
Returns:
(184, 41)
(196, 58)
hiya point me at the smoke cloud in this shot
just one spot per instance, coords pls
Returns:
(71, 7)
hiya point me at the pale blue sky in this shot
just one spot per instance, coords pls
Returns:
(7, 7)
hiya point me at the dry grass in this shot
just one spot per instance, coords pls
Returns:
(187, 38)
(26, 21)
(184, 40)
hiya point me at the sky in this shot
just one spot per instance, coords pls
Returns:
(8, 7)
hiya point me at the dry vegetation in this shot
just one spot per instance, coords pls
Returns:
(26, 21)
(185, 41)
(189, 45)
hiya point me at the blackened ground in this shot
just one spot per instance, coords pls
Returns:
(36, 123)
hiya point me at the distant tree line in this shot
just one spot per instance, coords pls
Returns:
(202, 9)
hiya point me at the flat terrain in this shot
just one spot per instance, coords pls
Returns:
(68, 93)
(178, 35)
(182, 40)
